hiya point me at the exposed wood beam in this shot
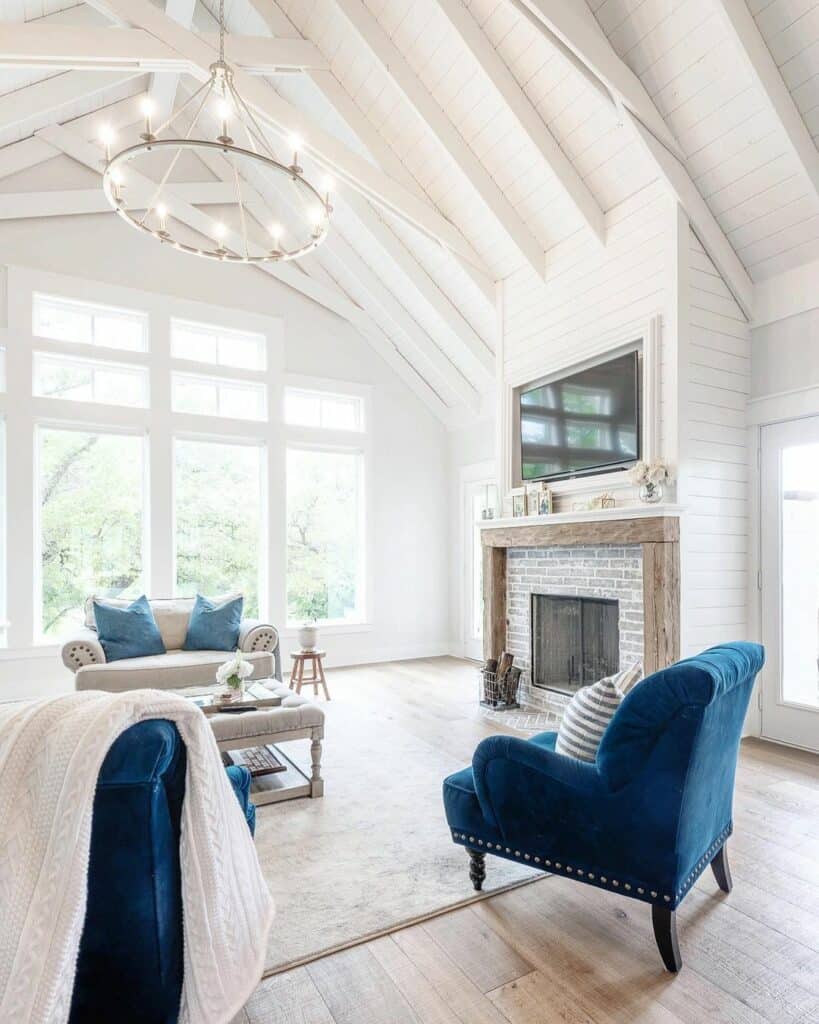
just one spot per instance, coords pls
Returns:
(581, 33)
(386, 53)
(764, 71)
(31, 44)
(702, 220)
(67, 202)
(87, 154)
(285, 119)
(342, 261)
(163, 87)
(577, 29)
(54, 94)
(527, 117)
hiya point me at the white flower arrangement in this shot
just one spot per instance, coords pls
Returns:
(234, 672)
(655, 472)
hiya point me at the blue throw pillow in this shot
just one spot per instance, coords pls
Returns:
(129, 632)
(214, 627)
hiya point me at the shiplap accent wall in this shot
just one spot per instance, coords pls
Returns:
(654, 266)
(714, 472)
(590, 293)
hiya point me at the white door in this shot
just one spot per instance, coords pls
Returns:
(475, 501)
(789, 483)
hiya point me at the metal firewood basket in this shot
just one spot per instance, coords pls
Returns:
(499, 693)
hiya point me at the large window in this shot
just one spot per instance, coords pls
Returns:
(325, 522)
(218, 499)
(91, 518)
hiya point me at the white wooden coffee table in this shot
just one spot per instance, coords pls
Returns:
(295, 718)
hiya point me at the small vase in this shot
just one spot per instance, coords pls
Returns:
(650, 493)
(308, 635)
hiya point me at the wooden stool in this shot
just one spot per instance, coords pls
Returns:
(297, 675)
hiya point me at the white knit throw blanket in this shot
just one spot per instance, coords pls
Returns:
(50, 756)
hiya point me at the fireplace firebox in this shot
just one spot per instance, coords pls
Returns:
(575, 641)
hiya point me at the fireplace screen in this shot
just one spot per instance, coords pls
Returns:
(575, 641)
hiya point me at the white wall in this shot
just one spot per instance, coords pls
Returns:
(786, 354)
(409, 605)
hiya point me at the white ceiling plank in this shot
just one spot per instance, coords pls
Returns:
(87, 154)
(699, 213)
(341, 101)
(163, 87)
(524, 112)
(577, 28)
(285, 119)
(480, 358)
(54, 94)
(33, 44)
(764, 71)
(339, 257)
(382, 48)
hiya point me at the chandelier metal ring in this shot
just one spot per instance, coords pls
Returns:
(113, 194)
(239, 242)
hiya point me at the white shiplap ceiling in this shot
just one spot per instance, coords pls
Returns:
(500, 126)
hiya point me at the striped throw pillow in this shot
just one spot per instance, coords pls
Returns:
(588, 714)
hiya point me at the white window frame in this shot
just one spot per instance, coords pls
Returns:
(23, 413)
(100, 363)
(218, 331)
(253, 384)
(359, 442)
(322, 393)
(93, 308)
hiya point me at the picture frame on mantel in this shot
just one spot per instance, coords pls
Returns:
(518, 496)
(538, 500)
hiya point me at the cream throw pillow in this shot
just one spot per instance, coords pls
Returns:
(589, 712)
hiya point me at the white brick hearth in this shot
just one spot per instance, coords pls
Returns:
(609, 571)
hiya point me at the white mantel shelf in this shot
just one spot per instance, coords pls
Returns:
(597, 515)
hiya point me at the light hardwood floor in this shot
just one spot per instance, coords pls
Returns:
(558, 951)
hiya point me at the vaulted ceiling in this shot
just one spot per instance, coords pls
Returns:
(468, 138)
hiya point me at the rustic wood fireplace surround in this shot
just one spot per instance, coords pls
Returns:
(659, 536)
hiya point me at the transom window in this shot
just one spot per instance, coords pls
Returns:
(215, 396)
(82, 323)
(205, 343)
(86, 380)
(305, 408)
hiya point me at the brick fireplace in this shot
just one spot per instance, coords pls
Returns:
(625, 559)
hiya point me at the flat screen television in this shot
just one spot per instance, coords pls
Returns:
(586, 422)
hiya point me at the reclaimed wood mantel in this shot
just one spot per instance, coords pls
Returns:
(655, 528)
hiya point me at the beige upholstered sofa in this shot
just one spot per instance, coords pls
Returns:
(83, 653)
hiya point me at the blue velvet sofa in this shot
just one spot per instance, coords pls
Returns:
(647, 817)
(129, 968)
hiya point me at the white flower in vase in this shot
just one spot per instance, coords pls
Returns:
(650, 478)
(233, 673)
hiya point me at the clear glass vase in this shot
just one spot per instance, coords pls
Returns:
(650, 493)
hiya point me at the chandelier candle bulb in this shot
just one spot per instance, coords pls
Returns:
(147, 107)
(162, 215)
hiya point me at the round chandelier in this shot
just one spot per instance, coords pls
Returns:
(290, 216)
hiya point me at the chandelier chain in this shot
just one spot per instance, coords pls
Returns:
(221, 31)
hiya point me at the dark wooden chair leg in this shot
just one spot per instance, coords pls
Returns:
(722, 872)
(665, 932)
(477, 869)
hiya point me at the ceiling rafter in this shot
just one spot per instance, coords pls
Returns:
(54, 94)
(75, 201)
(578, 30)
(284, 118)
(163, 87)
(389, 57)
(32, 44)
(763, 69)
(72, 145)
(529, 120)
(339, 258)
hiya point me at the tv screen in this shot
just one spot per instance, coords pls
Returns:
(583, 423)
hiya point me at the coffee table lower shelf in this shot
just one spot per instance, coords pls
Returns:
(287, 784)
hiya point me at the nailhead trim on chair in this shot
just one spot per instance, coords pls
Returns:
(614, 883)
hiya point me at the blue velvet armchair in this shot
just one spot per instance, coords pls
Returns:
(647, 817)
(130, 967)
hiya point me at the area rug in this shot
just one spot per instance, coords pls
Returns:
(375, 852)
